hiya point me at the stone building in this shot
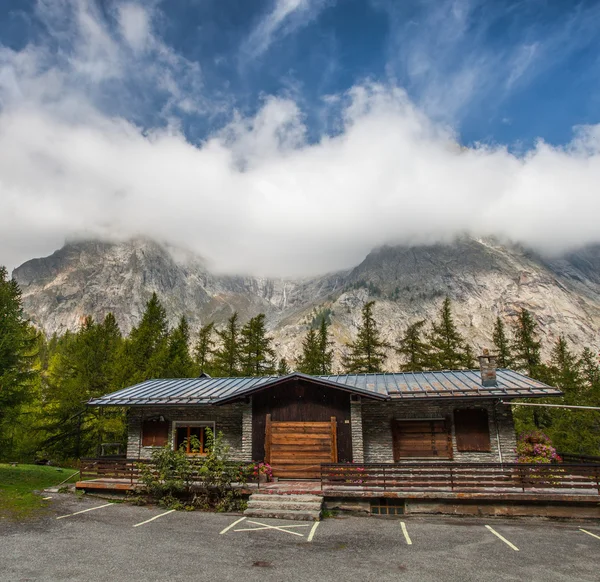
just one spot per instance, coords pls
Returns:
(298, 422)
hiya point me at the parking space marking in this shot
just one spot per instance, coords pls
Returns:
(153, 518)
(311, 535)
(85, 510)
(231, 525)
(405, 532)
(282, 528)
(589, 533)
(46, 498)
(502, 538)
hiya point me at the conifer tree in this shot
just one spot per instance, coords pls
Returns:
(179, 363)
(148, 343)
(17, 346)
(203, 351)
(590, 371)
(502, 343)
(367, 353)
(282, 368)
(526, 346)
(257, 357)
(415, 351)
(309, 360)
(565, 370)
(325, 352)
(227, 355)
(448, 347)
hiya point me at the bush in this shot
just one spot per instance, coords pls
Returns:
(536, 447)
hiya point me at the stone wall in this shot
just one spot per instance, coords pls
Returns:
(377, 432)
(233, 420)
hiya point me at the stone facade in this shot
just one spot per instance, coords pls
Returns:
(377, 431)
(356, 425)
(233, 420)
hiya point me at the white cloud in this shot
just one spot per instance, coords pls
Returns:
(258, 196)
(135, 24)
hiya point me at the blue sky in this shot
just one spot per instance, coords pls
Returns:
(271, 109)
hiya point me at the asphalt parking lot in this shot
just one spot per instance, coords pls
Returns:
(89, 539)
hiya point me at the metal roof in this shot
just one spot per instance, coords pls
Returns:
(389, 386)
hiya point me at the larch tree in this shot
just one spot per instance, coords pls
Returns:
(526, 345)
(179, 363)
(227, 355)
(502, 344)
(416, 352)
(257, 357)
(448, 347)
(308, 362)
(204, 348)
(283, 368)
(325, 345)
(367, 353)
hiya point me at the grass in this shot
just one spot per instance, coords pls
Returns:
(17, 486)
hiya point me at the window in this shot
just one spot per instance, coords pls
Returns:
(155, 432)
(387, 506)
(183, 431)
(422, 438)
(472, 430)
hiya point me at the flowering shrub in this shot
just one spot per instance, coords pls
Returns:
(536, 447)
(262, 469)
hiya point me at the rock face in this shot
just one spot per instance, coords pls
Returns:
(483, 278)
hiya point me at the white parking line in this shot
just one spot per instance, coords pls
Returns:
(502, 538)
(589, 533)
(405, 532)
(153, 518)
(46, 498)
(311, 535)
(230, 526)
(282, 528)
(85, 510)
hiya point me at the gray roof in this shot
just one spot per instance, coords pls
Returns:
(390, 386)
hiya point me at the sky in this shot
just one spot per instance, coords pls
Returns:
(290, 137)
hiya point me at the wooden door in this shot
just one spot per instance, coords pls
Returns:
(422, 439)
(296, 450)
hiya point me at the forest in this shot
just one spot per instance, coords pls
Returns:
(45, 382)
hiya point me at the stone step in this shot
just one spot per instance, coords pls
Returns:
(291, 514)
(285, 497)
(284, 505)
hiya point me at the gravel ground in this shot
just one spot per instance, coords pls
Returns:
(103, 545)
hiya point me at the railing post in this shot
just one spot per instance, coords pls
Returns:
(384, 480)
(451, 478)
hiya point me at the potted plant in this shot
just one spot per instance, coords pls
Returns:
(263, 472)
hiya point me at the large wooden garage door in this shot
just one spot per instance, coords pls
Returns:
(295, 450)
(425, 438)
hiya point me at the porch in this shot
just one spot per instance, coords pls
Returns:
(347, 480)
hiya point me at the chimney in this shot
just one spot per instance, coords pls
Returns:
(487, 364)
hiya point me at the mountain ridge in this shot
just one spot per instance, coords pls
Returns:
(483, 278)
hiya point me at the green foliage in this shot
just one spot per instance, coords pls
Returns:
(502, 344)
(204, 348)
(526, 346)
(179, 363)
(324, 315)
(17, 349)
(317, 355)
(449, 350)
(282, 367)
(226, 358)
(257, 357)
(413, 349)
(367, 353)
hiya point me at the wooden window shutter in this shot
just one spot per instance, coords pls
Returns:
(472, 430)
(428, 438)
(155, 432)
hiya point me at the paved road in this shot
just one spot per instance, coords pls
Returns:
(103, 544)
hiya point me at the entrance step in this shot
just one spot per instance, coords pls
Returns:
(283, 506)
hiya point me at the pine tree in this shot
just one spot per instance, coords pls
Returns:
(413, 349)
(179, 363)
(17, 346)
(448, 348)
(282, 368)
(149, 343)
(203, 351)
(227, 355)
(309, 360)
(526, 346)
(367, 353)
(565, 370)
(325, 362)
(590, 371)
(257, 357)
(502, 344)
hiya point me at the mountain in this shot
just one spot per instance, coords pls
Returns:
(483, 278)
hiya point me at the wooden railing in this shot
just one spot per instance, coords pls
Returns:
(579, 459)
(470, 477)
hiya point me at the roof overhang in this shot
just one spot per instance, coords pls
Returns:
(305, 377)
